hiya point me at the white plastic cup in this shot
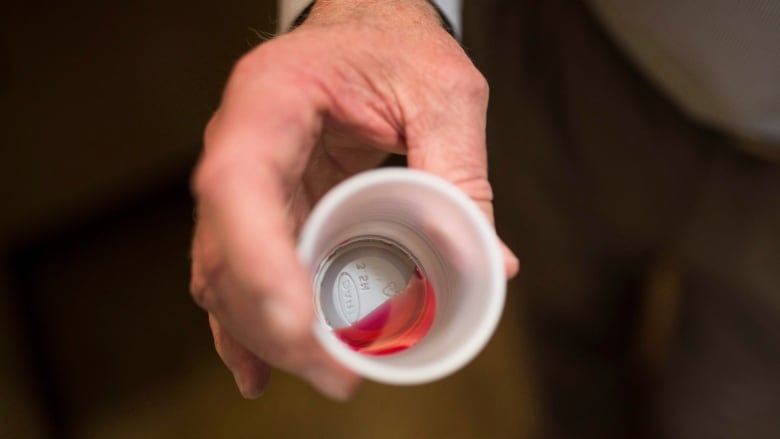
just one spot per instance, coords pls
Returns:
(450, 238)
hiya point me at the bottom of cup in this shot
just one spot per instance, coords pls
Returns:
(375, 296)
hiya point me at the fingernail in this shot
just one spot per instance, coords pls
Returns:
(248, 386)
(329, 383)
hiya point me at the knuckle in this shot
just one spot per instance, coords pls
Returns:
(465, 80)
(209, 173)
(203, 296)
(474, 84)
(210, 131)
(202, 287)
(260, 60)
(202, 175)
(248, 66)
(478, 188)
(202, 178)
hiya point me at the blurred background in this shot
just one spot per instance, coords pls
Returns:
(103, 105)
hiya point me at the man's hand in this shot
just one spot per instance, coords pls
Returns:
(357, 80)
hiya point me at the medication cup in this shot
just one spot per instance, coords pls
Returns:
(408, 275)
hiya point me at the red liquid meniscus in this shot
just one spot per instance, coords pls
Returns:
(397, 324)
(375, 296)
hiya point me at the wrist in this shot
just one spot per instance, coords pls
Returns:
(400, 14)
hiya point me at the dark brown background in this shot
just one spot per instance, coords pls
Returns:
(102, 106)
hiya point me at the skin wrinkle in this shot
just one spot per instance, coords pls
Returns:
(325, 162)
(296, 79)
(461, 170)
(201, 292)
(341, 111)
(205, 274)
(388, 108)
(302, 200)
(396, 118)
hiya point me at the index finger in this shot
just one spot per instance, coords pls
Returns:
(257, 146)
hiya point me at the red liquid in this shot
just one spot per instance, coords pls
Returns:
(397, 324)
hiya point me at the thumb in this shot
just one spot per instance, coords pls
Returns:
(449, 141)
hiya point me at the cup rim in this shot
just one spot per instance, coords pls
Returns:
(373, 367)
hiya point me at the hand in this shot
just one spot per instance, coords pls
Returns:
(356, 81)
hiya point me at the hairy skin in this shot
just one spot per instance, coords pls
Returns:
(300, 113)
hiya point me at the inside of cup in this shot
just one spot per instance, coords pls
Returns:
(458, 253)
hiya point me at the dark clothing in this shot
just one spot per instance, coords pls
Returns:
(649, 245)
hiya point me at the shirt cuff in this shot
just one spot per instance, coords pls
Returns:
(290, 9)
(452, 11)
